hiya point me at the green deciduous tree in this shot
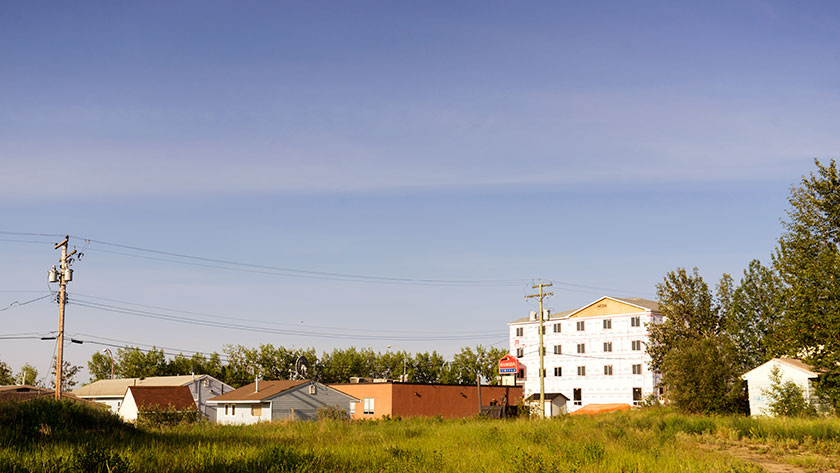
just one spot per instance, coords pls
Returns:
(68, 375)
(28, 374)
(136, 363)
(754, 315)
(808, 260)
(697, 358)
(6, 374)
(99, 367)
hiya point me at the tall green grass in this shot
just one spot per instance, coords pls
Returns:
(658, 440)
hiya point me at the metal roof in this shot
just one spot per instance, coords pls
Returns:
(117, 387)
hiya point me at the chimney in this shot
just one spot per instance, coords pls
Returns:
(257, 389)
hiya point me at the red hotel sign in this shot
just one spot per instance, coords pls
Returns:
(508, 365)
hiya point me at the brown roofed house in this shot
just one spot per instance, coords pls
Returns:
(147, 398)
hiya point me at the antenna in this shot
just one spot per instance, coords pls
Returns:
(301, 367)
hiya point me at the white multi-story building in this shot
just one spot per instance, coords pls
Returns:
(593, 355)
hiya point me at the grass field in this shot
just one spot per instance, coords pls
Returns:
(44, 436)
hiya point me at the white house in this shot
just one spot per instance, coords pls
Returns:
(112, 391)
(758, 381)
(144, 398)
(594, 354)
(265, 401)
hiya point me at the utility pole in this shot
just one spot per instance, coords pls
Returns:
(540, 329)
(62, 277)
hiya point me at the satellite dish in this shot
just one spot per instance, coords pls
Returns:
(302, 366)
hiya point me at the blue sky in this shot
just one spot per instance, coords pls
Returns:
(592, 145)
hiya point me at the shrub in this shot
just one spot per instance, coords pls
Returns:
(787, 398)
(332, 413)
(166, 417)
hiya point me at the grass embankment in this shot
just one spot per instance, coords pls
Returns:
(42, 436)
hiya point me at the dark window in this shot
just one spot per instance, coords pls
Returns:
(637, 396)
(521, 373)
(558, 371)
(558, 349)
(557, 328)
(608, 370)
(637, 369)
(581, 325)
(635, 322)
(577, 394)
(519, 331)
(607, 324)
(607, 346)
(581, 348)
(543, 329)
(520, 352)
(636, 345)
(581, 371)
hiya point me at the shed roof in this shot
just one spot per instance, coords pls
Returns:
(793, 363)
(268, 389)
(117, 387)
(162, 397)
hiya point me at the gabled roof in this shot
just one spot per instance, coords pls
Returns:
(268, 389)
(548, 397)
(793, 363)
(641, 303)
(162, 397)
(117, 387)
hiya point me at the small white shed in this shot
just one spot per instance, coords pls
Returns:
(758, 381)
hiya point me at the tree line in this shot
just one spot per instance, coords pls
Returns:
(789, 308)
(238, 365)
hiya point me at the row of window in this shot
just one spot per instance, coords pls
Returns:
(577, 395)
(581, 371)
(635, 345)
(581, 326)
(367, 406)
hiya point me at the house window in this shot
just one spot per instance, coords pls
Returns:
(607, 346)
(368, 407)
(520, 373)
(635, 321)
(352, 408)
(312, 389)
(233, 409)
(607, 370)
(543, 371)
(581, 370)
(256, 410)
(607, 324)
(637, 396)
(577, 395)
(558, 371)
(581, 348)
(543, 329)
(520, 352)
(558, 349)
(636, 345)
(544, 350)
(637, 369)
(557, 328)
(581, 325)
(206, 383)
(519, 331)
(226, 409)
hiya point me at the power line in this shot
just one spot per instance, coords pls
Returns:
(18, 304)
(275, 331)
(322, 275)
(286, 324)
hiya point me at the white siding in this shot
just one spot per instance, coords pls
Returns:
(597, 388)
(758, 381)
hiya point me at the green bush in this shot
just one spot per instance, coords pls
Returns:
(166, 417)
(787, 399)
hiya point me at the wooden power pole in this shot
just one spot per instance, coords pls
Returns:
(540, 330)
(62, 276)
